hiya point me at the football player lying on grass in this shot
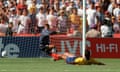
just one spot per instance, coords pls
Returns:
(75, 60)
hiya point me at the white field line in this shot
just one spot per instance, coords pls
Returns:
(27, 70)
(4, 70)
(107, 70)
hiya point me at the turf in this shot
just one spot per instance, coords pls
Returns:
(47, 65)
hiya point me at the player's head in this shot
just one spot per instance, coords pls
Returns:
(87, 54)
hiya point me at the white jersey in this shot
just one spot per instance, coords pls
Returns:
(41, 19)
(14, 19)
(80, 12)
(23, 27)
(104, 30)
(116, 12)
(52, 20)
(110, 9)
(116, 27)
(28, 2)
(3, 27)
(91, 16)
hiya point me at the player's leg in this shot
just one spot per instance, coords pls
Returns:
(68, 54)
(62, 56)
(87, 54)
(93, 61)
(56, 56)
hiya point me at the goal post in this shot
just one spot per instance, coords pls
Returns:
(84, 29)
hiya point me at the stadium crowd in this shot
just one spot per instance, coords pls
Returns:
(63, 16)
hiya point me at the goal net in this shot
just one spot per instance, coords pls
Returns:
(20, 47)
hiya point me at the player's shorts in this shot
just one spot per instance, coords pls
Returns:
(70, 60)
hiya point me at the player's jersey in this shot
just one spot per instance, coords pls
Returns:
(75, 60)
(80, 61)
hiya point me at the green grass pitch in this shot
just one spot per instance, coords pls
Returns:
(47, 65)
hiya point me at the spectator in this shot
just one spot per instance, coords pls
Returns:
(41, 17)
(106, 27)
(14, 19)
(75, 20)
(32, 6)
(99, 15)
(3, 25)
(28, 2)
(116, 25)
(45, 6)
(21, 5)
(105, 4)
(9, 31)
(62, 22)
(93, 32)
(116, 11)
(111, 7)
(52, 20)
(57, 5)
(78, 3)
(80, 11)
(91, 15)
(95, 13)
(70, 7)
(88, 2)
(118, 1)
(62, 3)
(32, 15)
(24, 22)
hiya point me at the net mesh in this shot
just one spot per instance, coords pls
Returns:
(21, 47)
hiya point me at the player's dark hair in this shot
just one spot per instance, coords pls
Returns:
(87, 54)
